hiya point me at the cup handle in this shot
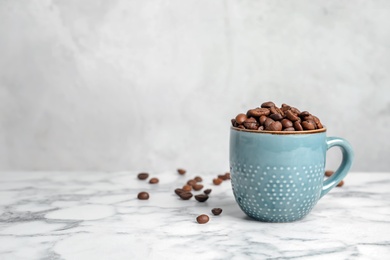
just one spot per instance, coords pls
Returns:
(344, 167)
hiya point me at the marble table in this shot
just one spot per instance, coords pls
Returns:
(96, 215)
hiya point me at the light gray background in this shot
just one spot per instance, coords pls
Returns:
(152, 85)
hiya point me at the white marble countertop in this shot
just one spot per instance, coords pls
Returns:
(96, 215)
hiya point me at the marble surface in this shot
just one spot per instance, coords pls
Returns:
(96, 215)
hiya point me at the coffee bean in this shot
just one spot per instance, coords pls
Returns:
(308, 125)
(267, 122)
(240, 118)
(207, 191)
(181, 171)
(295, 110)
(143, 195)
(341, 183)
(185, 195)
(202, 219)
(187, 188)
(261, 128)
(290, 115)
(201, 197)
(268, 104)
(153, 181)
(251, 123)
(262, 120)
(191, 182)
(308, 118)
(276, 117)
(216, 211)
(329, 173)
(197, 187)
(289, 129)
(298, 126)
(227, 175)
(257, 112)
(178, 191)
(198, 179)
(286, 123)
(143, 175)
(285, 107)
(234, 123)
(318, 122)
(304, 113)
(222, 177)
(217, 181)
(275, 126)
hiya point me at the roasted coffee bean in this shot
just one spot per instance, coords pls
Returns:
(216, 211)
(262, 120)
(240, 118)
(143, 195)
(261, 128)
(202, 219)
(286, 123)
(198, 179)
(289, 129)
(295, 110)
(298, 126)
(267, 122)
(185, 195)
(285, 107)
(197, 187)
(276, 117)
(178, 191)
(308, 125)
(187, 188)
(201, 197)
(234, 123)
(227, 175)
(251, 123)
(153, 180)
(143, 175)
(181, 171)
(304, 113)
(258, 112)
(217, 181)
(191, 182)
(275, 126)
(207, 191)
(290, 115)
(329, 173)
(341, 183)
(318, 122)
(268, 104)
(308, 118)
(222, 177)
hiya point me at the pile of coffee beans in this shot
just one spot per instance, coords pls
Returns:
(269, 117)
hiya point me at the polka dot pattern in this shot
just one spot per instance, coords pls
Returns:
(277, 193)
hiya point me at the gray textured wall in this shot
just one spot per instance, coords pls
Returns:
(112, 85)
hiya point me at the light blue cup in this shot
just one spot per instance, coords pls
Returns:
(279, 177)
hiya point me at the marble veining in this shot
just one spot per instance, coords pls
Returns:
(96, 215)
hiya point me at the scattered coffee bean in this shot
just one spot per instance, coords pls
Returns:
(269, 117)
(143, 175)
(198, 179)
(191, 182)
(181, 171)
(201, 197)
(153, 181)
(227, 175)
(143, 195)
(222, 177)
(187, 187)
(178, 191)
(217, 181)
(207, 191)
(216, 211)
(197, 187)
(185, 195)
(341, 183)
(202, 219)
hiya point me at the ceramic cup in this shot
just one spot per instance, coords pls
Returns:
(279, 177)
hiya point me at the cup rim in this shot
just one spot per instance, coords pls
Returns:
(316, 131)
